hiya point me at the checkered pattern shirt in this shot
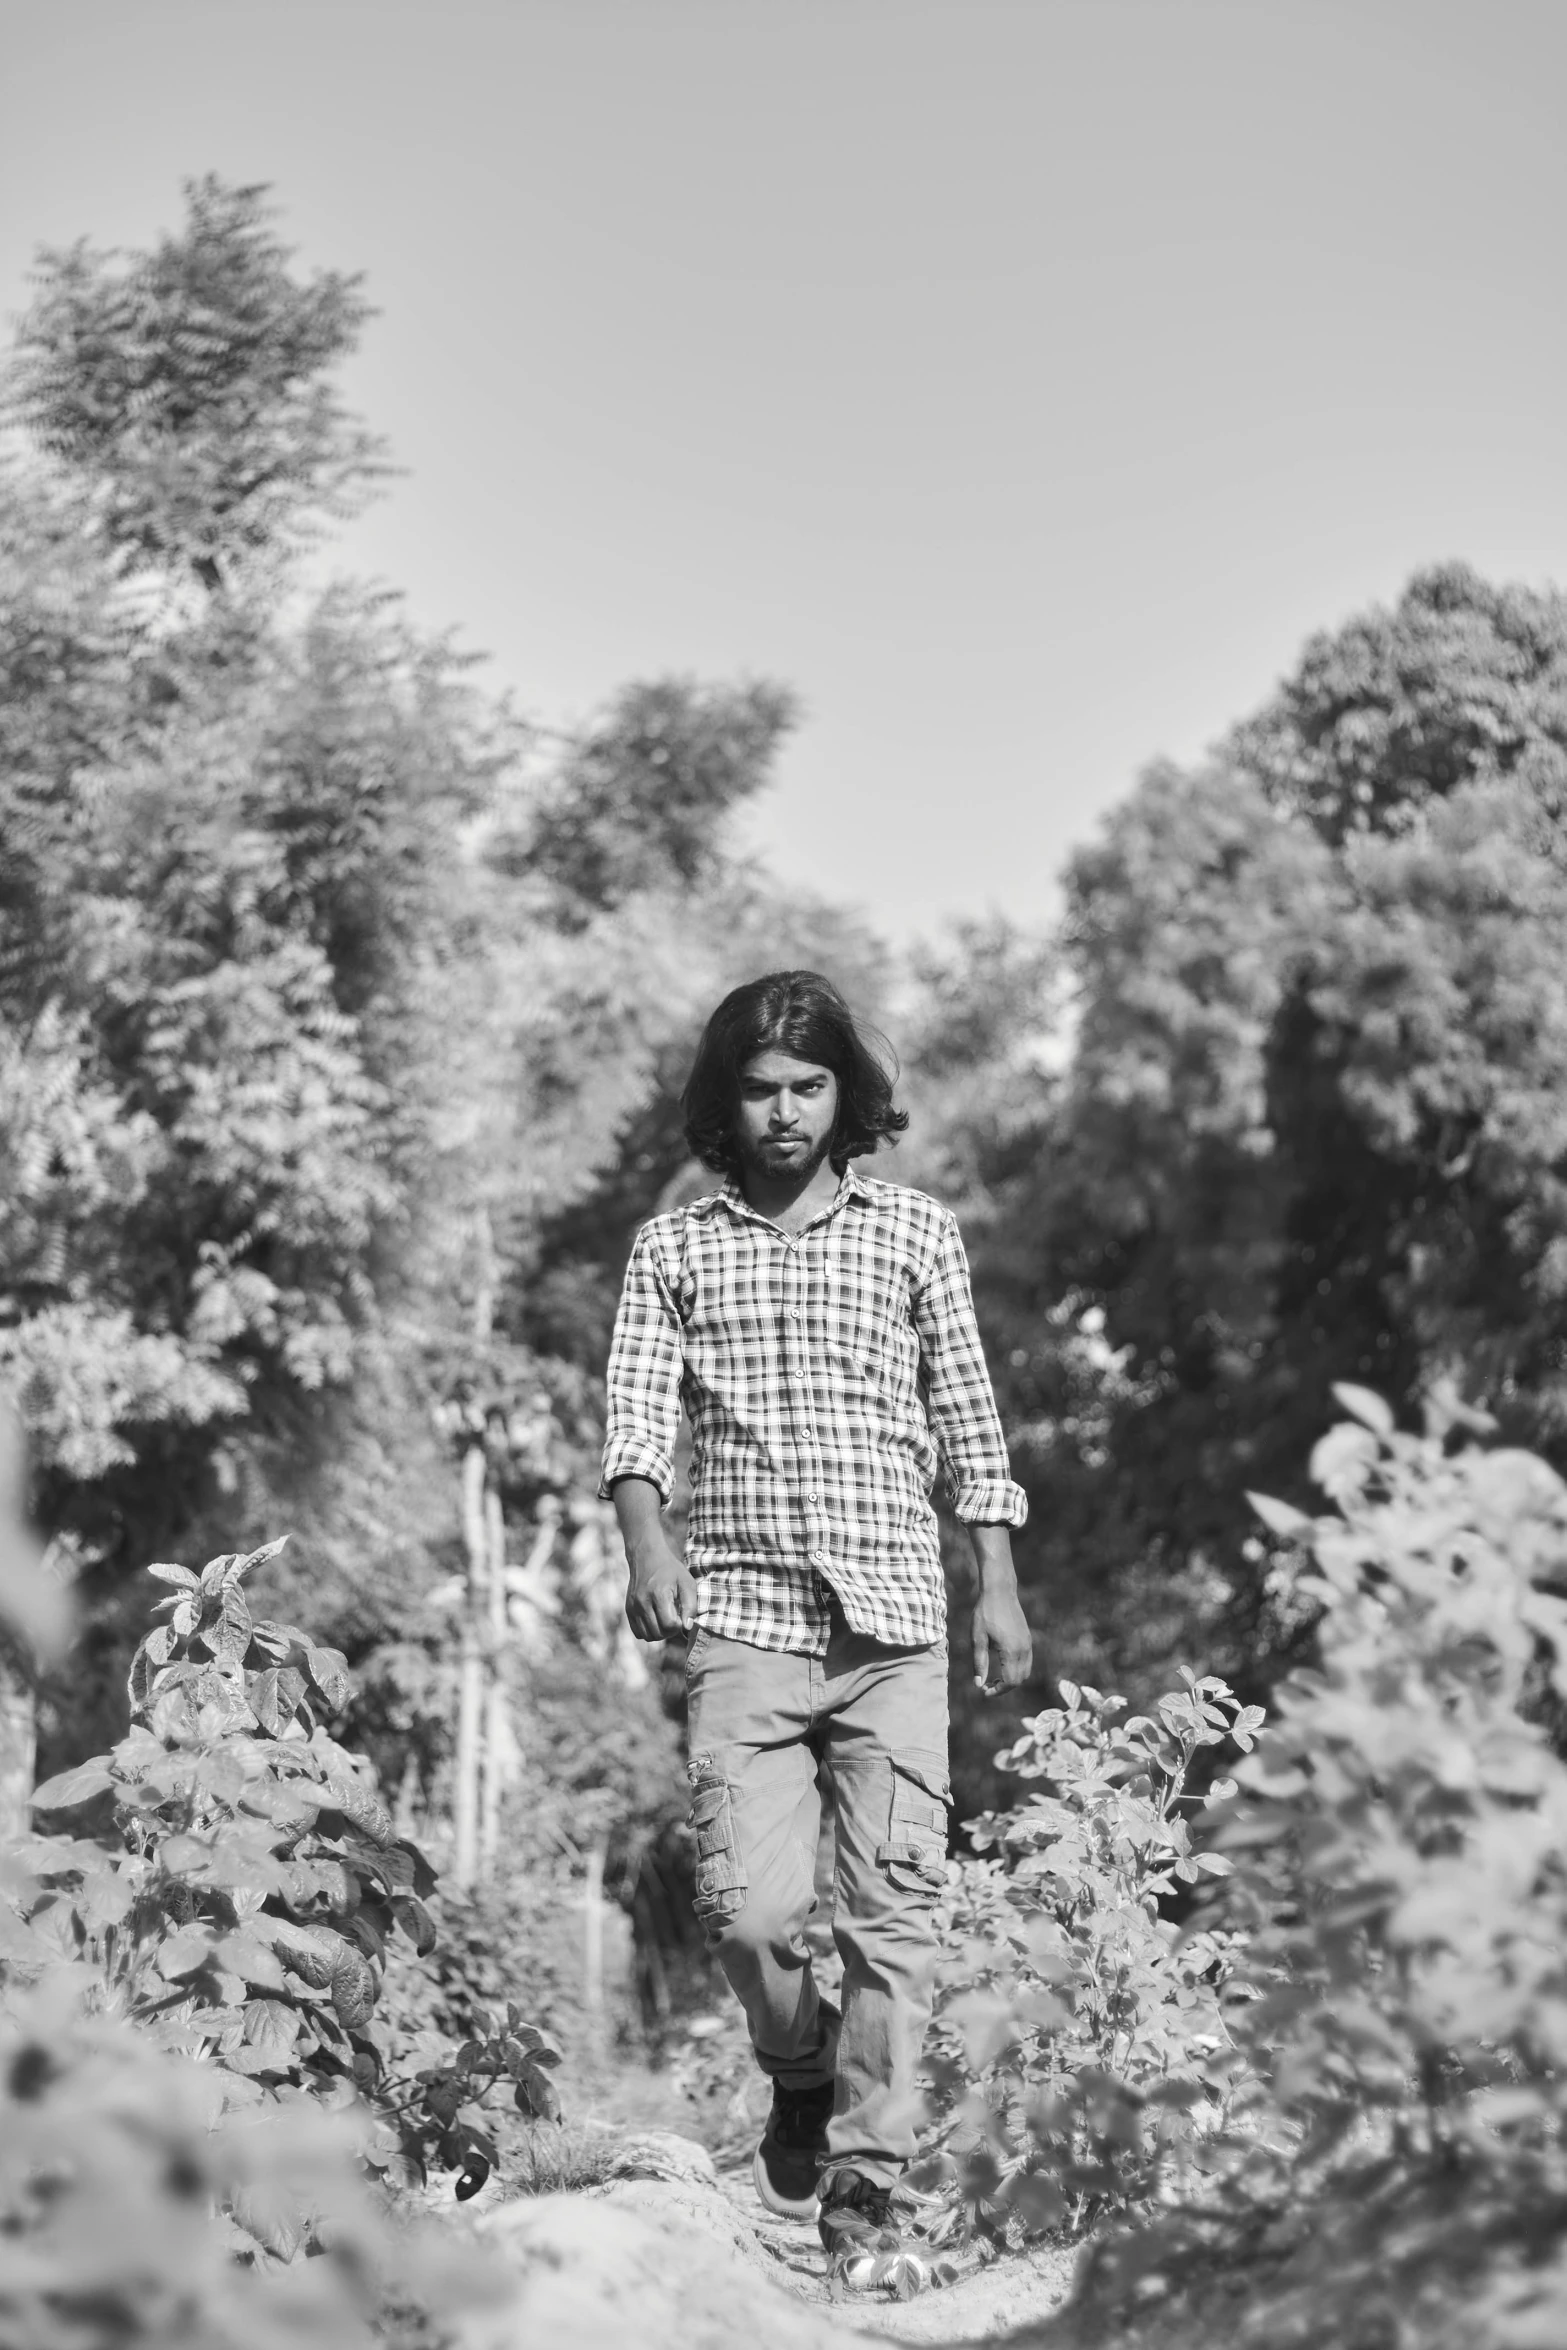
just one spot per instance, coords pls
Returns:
(825, 1375)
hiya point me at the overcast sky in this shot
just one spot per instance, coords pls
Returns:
(1021, 383)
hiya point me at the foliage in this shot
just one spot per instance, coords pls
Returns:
(240, 986)
(1312, 1128)
(1079, 2052)
(562, 2158)
(34, 1610)
(979, 1038)
(1405, 1837)
(206, 1145)
(197, 1016)
(136, 2205)
(711, 2069)
(640, 801)
(243, 1912)
(190, 386)
(1395, 2167)
(1400, 709)
(133, 2212)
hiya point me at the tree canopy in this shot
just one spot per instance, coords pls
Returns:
(1314, 1124)
(189, 389)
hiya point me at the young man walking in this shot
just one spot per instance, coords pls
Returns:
(818, 1328)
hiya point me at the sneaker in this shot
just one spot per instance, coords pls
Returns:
(865, 2252)
(792, 2147)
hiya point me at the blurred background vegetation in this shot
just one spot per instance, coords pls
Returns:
(343, 1015)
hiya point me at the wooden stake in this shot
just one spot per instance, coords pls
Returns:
(593, 1930)
(497, 1726)
(470, 1683)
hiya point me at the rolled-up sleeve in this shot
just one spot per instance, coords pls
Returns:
(645, 1364)
(962, 1406)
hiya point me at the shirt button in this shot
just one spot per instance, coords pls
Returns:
(818, 1558)
(813, 1497)
(798, 1377)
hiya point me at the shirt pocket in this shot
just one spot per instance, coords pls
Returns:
(867, 1320)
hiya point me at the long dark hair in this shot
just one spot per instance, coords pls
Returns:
(800, 1013)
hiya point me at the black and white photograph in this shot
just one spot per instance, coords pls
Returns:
(783, 1174)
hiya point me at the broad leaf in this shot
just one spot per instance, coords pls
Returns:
(74, 1786)
(1365, 1406)
(184, 1951)
(271, 2024)
(416, 1922)
(1280, 1517)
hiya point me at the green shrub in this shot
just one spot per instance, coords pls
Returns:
(133, 2210)
(1080, 2051)
(137, 2208)
(1395, 2166)
(1405, 1838)
(240, 1903)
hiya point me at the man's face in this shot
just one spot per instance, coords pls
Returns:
(787, 1110)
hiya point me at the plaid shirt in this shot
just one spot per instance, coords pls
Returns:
(824, 1373)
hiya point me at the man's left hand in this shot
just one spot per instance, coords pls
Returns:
(1003, 1643)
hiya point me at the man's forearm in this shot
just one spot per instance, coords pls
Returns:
(993, 1557)
(640, 1513)
(1003, 1644)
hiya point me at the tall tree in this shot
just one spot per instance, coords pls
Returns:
(1315, 1126)
(190, 391)
(234, 892)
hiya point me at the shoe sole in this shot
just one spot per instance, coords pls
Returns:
(782, 2206)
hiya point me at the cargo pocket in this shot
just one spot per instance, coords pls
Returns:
(721, 1880)
(915, 1853)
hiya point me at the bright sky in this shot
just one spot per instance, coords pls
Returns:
(1020, 382)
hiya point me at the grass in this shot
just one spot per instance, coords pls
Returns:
(555, 2158)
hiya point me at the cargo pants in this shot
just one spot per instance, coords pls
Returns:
(761, 1724)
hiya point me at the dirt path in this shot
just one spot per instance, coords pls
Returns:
(984, 2303)
(694, 2263)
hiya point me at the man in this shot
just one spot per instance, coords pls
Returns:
(819, 1330)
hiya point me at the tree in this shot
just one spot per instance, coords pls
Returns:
(1314, 1125)
(189, 390)
(237, 912)
(642, 799)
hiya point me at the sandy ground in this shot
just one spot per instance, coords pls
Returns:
(984, 2303)
(694, 2263)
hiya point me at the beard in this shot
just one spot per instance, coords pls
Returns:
(799, 1165)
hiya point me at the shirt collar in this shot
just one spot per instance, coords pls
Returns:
(851, 1186)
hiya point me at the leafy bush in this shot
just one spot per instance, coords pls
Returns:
(136, 2207)
(240, 1905)
(1080, 2051)
(711, 2069)
(132, 2212)
(1395, 2169)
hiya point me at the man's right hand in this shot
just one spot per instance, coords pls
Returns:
(662, 1599)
